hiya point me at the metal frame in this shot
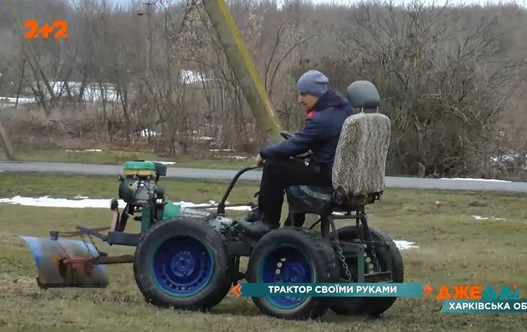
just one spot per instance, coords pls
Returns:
(239, 244)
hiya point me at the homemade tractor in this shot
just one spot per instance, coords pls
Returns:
(189, 258)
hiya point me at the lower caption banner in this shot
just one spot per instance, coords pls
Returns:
(488, 302)
(329, 290)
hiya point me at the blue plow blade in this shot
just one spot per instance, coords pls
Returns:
(65, 263)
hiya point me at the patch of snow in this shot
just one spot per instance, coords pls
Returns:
(473, 179)
(223, 150)
(512, 156)
(148, 133)
(214, 204)
(165, 162)
(47, 201)
(94, 92)
(88, 150)
(10, 102)
(193, 77)
(84, 202)
(21, 100)
(403, 245)
(487, 218)
(236, 157)
(508, 160)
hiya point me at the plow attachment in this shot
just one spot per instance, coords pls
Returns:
(63, 263)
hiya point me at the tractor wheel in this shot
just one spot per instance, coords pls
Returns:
(183, 263)
(292, 255)
(389, 259)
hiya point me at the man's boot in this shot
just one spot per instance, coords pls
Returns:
(255, 215)
(257, 228)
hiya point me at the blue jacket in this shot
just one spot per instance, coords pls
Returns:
(320, 134)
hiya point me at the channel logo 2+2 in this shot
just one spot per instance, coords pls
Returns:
(59, 30)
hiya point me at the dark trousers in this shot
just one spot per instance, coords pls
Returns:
(278, 174)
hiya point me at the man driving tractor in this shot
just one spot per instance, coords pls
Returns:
(326, 112)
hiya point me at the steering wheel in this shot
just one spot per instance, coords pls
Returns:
(287, 135)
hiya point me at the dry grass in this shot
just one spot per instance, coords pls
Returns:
(116, 155)
(65, 136)
(454, 248)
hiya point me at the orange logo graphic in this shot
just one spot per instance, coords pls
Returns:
(476, 292)
(427, 290)
(58, 30)
(237, 290)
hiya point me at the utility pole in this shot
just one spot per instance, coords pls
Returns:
(148, 35)
(267, 120)
(8, 148)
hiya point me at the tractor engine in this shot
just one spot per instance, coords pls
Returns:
(138, 187)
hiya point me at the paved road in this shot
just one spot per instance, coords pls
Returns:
(212, 174)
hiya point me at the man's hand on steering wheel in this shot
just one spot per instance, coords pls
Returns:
(287, 135)
(303, 156)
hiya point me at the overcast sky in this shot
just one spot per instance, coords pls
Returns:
(437, 2)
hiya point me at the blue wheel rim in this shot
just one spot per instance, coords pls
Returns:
(285, 264)
(182, 266)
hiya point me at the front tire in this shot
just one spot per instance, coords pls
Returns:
(183, 263)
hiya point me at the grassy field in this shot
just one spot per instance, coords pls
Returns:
(454, 248)
(112, 157)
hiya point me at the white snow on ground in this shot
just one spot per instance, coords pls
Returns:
(94, 92)
(511, 157)
(402, 245)
(88, 150)
(21, 100)
(487, 218)
(236, 157)
(473, 179)
(85, 202)
(165, 162)
(148, 133)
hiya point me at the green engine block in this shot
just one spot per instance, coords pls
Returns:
(138, 186)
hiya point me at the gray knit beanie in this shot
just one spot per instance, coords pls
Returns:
(313, 83)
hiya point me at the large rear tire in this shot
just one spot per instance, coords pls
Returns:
(389, 260)
(183, 263)
(292, 255)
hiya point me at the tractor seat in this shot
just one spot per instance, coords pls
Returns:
(312, 195)
(360, 160)
(325, 200)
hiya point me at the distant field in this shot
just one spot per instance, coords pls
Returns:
(456, 245)
(215, 161)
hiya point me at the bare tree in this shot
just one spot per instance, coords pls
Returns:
(451, 78)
